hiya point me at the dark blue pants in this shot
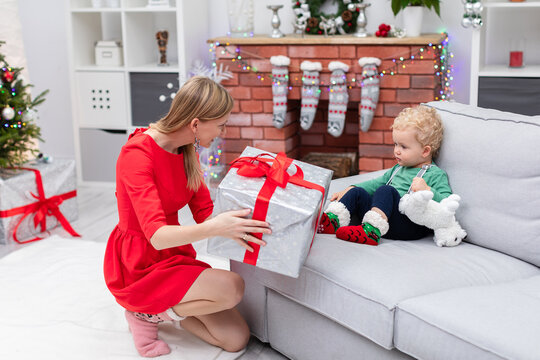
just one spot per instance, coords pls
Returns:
(386, 198)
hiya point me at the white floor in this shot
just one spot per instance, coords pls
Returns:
(97, 217)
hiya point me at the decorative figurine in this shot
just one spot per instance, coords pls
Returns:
(299, 25)
(328, 25)
(162, 37)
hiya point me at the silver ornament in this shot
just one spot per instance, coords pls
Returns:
(29, 115)
(477, 22)
(469, 8)
(477, 7)
(8, 113)
(351, 7)
(466, 22)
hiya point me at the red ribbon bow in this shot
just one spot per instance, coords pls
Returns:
(276, 175)
(42, 208)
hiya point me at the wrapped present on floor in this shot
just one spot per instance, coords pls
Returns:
(35, 198)
(286, 193)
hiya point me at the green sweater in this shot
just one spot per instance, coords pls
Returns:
(435, 178)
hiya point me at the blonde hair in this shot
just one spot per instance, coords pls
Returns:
(202, 98)
(427, 123)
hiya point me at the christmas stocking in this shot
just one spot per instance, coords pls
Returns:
(310, 92)
(370, 90)
(280, 87)
(339, 98)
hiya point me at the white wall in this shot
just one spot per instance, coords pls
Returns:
(45, 43)
(379, 12)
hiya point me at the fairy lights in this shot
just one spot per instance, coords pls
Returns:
(440, 54)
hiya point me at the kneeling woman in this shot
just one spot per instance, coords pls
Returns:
(150, 264)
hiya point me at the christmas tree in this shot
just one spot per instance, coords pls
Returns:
(18, 130)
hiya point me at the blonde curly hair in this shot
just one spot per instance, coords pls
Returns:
(427, 123)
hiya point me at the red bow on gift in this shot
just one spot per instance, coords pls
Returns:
(276, 175)
(42, 208)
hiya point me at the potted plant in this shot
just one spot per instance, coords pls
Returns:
(412, 13)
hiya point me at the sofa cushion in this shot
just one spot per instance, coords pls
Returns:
(359, 286)
(488, 322)
(493, 163)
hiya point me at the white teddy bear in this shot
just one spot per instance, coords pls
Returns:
(440, 217)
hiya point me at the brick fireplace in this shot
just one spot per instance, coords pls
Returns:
(251, 119)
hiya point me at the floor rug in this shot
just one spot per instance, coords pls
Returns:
(55, 305)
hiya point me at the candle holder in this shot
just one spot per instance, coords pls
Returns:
(361, 21)
(276, 33)
(517, 47)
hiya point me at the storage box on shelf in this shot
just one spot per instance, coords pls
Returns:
(494, 83)
(108, 98)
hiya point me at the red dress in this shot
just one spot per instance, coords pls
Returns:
(151, 186)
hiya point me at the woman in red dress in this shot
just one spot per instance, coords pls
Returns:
(150, 264)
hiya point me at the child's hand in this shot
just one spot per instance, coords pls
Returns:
(337, 196)
(419, 184)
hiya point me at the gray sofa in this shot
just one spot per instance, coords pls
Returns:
(403, 299)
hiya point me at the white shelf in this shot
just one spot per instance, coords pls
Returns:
(100, 68)
(506, 25)
(514, 5)
(151, 9)
(505, 71)
(173, 67)
(95, 10)
(134, 25)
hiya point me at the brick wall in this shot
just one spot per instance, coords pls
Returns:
(251, 120)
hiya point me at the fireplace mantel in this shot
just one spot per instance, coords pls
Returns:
(251, 119)
(297, 39)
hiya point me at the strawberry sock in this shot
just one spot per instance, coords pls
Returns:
(328, 224)
(362, 234)
(145, 334)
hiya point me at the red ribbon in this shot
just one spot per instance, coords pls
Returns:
(42, 208)
(276, 175)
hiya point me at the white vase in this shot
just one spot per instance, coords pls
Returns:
(240, 18)
(412, 20)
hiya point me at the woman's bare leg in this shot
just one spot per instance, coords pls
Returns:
(209, 308)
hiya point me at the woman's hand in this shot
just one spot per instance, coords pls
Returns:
(419, 184)
(234, 225)
(337, 196)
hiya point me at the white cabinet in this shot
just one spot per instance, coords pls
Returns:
(104, 97)
(506, 22)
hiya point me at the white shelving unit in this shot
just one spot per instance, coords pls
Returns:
(102, 96)
(505, 21)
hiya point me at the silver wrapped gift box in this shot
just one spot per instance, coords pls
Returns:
(20, 198)
(293, 212)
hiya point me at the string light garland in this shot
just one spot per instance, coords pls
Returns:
(441, 65)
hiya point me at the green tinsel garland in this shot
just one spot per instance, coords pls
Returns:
(349, 17)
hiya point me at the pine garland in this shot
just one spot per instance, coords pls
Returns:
(349, 17)
(17, 134)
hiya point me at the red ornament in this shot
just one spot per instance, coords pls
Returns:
(8, 76)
